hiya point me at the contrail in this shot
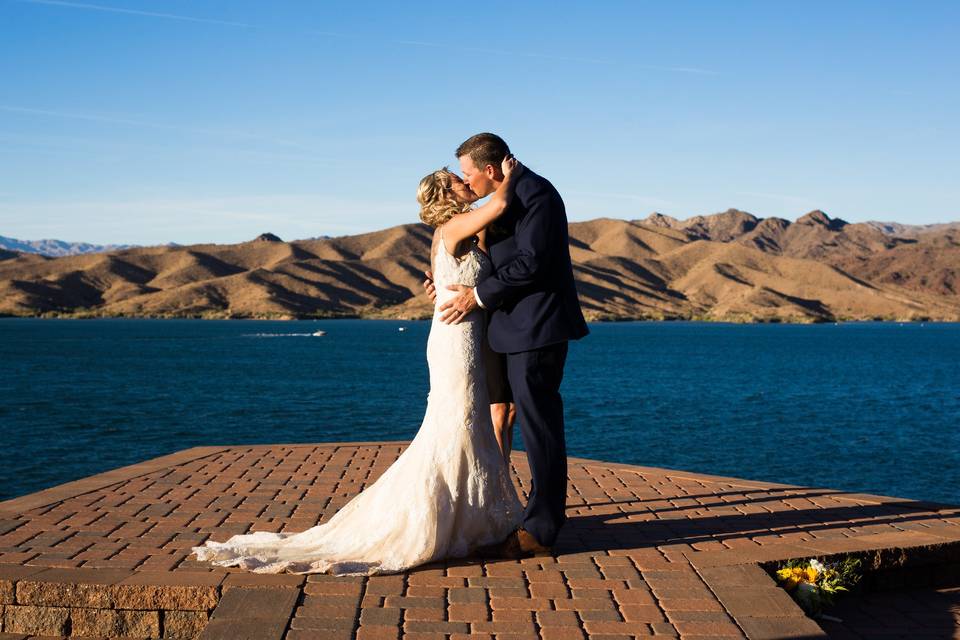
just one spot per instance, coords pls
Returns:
(654, 200)
(136, 12)
(703, 72)
(773, 196)
(543, 56)
(527, 54)
(408, 43)
(151, 125)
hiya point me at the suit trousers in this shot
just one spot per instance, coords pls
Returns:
(535, 378)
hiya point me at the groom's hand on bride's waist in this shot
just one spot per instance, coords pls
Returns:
(457, 308)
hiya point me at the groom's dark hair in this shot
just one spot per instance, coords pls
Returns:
(484, 149)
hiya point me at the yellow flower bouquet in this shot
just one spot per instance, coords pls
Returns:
(814, 584)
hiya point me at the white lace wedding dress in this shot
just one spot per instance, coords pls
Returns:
(447, 493)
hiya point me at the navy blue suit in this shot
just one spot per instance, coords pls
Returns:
(534, 312)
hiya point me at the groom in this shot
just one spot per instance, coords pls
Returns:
(534, 311)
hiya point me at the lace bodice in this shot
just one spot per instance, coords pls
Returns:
(467, 270)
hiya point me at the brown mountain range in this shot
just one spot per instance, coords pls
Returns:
(728, 266)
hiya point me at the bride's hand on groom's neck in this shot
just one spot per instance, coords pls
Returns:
(510, 167)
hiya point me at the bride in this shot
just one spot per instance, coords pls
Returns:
(449, 492)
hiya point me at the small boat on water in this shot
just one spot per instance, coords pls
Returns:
(319, 333)
(402, 329)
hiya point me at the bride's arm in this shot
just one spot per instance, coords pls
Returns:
(466, 225)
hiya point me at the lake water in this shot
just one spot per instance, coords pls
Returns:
(868, 407)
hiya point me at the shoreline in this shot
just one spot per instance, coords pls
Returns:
(589, 318)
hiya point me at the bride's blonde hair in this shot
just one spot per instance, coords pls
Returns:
(437, 200)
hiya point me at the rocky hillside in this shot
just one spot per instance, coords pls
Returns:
(727, 266)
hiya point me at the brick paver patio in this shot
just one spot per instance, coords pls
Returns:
(645, 552)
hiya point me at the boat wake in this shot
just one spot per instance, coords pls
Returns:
(281, 335)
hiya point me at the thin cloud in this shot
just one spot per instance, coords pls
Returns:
(410, 43)
(774, 196)
(695, 70)
(280, 208)
(136, 12)
(151, 125)
(543, 56)
(20, 143)
(527, 54)
(611, 195)
(332, 34)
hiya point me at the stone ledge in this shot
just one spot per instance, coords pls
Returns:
(102, 623)
(116, 589)
(890, 549)
(109, 602)
(117, 602)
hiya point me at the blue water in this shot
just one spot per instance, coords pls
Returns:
(868, 407)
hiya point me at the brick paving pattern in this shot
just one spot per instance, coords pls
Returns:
(645, 552)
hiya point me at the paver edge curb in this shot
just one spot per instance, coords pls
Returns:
(760, 484)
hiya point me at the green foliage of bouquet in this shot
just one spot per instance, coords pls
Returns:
(814, 584)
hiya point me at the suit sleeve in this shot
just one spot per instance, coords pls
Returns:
(536, 233)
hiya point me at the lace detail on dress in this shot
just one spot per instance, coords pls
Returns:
(448, 492)
(467, 270)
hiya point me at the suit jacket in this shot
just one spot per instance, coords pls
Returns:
(532, 295)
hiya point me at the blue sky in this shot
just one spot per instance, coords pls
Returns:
(213, 121)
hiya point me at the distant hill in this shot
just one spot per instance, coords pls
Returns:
(727, 266)
(914, 230)
(56, 248)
